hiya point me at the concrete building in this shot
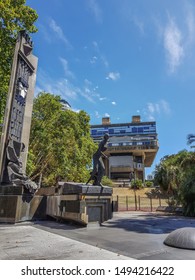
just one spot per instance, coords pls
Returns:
(65, 105)
(131, 147)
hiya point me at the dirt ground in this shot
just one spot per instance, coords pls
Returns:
(129, 192)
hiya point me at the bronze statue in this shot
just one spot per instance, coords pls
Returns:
(98, 164)
(14, 173)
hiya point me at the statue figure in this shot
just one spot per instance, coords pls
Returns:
(98, 165)
(14, 173)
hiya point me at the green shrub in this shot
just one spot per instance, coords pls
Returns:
(148, 184)
(107, 182)
(137, 184)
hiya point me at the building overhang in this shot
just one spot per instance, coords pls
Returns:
(148, 153)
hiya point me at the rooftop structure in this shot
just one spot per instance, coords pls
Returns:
(131, 147)
(65, 105)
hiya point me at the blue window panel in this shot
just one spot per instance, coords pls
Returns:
(140, 129)
(93, 132)
(134, 129)
(111, 131)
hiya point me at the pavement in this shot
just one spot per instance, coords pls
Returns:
(128, 235)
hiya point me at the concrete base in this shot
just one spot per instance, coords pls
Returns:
(81, 203)
(16, 205)
(69, 201)
(182, 238)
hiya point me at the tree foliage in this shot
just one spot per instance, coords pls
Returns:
(60, 143)
(14, 16)
(175, 174)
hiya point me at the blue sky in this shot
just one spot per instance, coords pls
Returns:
(121, 58)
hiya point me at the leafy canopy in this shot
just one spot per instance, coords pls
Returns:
(176, 175)
(60, 143)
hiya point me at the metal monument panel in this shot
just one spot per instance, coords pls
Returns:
(17, 119)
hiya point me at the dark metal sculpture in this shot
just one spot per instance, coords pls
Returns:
(98, 164)
(14, 172)
(17, 119)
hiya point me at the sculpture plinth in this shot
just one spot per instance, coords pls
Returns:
(17, 205)
(81, 203)
(16, 189)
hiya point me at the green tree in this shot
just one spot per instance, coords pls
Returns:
(169, 171)
(187, 186)
(60, 142)
(14, 16)
(176, 175)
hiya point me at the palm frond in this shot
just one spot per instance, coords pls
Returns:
(190, 139)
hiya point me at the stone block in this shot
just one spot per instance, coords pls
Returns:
(81, 203)
(17, 206)
(79, 188)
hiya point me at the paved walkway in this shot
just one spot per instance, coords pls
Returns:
(129, 235)
(26, 242)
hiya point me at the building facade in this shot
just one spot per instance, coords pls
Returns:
(131, 147)
(65, 105)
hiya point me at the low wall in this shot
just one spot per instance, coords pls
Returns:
(17, 206)
(81, 203)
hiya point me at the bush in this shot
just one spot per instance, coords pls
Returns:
(137, 184)
(149, 184)
(107, 182)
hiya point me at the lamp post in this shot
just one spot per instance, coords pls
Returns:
(134, 169)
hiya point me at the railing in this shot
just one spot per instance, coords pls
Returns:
(137, 147)
(138, 203)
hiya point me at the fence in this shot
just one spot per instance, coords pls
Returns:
(136, 202)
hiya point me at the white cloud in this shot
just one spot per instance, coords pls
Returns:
(179, 37)
(113, 103)
(67, 72)
(60, 87)
(93, 60)
(45, 34)
(87, 82)
(165, 107)
(90, 92)
(139, 23)
(152, 110)
(97, 115)
(190, 22)
(95, 9)
(102, 98)
(113, 76)
(100, 56)
(59, 33)
(173, 43)
(107, 115)
(66, 89)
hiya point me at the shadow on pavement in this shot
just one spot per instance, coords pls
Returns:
(153, 224)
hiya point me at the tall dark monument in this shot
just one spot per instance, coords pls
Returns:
(17, 120)
(16, 189)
